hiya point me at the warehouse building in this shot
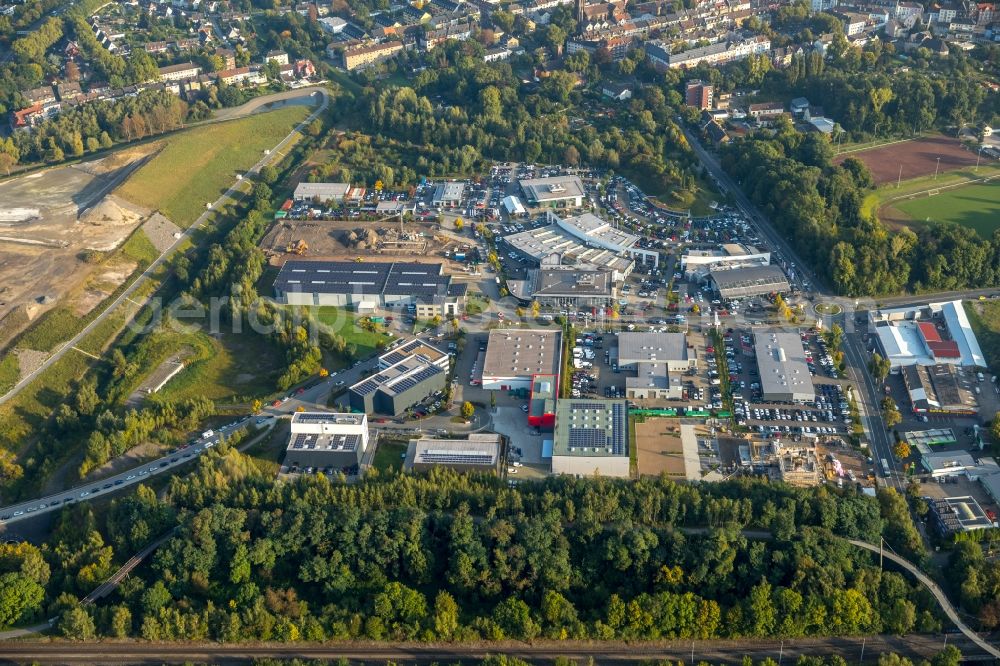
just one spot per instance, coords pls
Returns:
(479, 453)
(952, 515)
(448, 194)
(554, 191)
(946, 463)
(369, 285)
(321, 191)
(413, 349)
(936, 333)
(939, 388)
(698, 263)
(564, 286)
(784, 373)
(515, 356)
(591, 437)
(542, 405)
(326, 441)
(749, 281)
(659, 360)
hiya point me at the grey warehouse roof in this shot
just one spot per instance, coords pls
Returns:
(781, 360)
(553, 188)
(749, 281)
(591, 428)
(639, 347)
(518, 353)
(561, 282)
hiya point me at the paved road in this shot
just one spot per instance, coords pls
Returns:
(938, 593)
(761, 223)
(168, 463)
(852, 649)
(233, 192)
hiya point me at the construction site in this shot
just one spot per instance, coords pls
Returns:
(53, 224)
(353, 240)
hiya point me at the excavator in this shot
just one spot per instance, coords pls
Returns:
(299, 247)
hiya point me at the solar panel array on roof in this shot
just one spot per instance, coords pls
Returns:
(618, 419)
(588, 438)
(347, 277)
(367, 387)
(407, 383)
(456, 457)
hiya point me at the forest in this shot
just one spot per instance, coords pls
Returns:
(949, 656)
(452, 557)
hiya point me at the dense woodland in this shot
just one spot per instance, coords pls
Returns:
(453, 557)
(949, 656)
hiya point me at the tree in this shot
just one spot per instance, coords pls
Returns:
(268, 174)
(995, 428)
(467, 410)
(77, 624)
(255, 406)
(879, 367)
(20, 596)
(459, 224)
(445, 615)
(901, 449)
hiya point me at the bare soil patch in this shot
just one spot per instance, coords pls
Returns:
(658, 447)
(912, 159)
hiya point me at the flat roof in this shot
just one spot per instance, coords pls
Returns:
(568, 282)
(512, 352)
(480, 449)
(781, 360)
(552, 239)
(321, 190)
(552, 188)
(422, 281)
(961, 514)
(933, 437)
(639, 347)
(591, 428)
(348, 441)
(449, 191)
(651, 375)
(944, 460)
(750, 280)
(902, 343)
(592, 229)
(328, 418)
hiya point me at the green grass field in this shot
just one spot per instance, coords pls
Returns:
(197, 166)
(985, 319)
(975, 206)
(344, 323)
(226, 367)
(389, 455)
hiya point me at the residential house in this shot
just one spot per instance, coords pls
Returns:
(365, 56)
(280, 57)
(184, 70)
(765, 110)
(617, 91)
(698, 94)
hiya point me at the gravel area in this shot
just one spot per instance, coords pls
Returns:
(160, 231)
(29, 360)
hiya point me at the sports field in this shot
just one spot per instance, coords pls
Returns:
(912, 159)
(975, 206)
(195, 167)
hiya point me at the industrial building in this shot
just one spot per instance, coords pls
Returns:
(591, 437)
(322, 192)
(554, 191)
(564, 286)
(952, 515)
(415, 349)
(940, 388)
(448, 194)
(481, 452)
(406, 375)
(784, 373)
(698, 263)
(542, 405)
(659, 360)
(370, 285)
(749, 281)
(326, 441)
(936, 333)
(945, 463)
(514, 356)
(584, 242)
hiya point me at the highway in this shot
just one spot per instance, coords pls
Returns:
(234, 192)
(84, 493)
(853, 649)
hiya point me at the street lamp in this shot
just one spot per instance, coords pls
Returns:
(979, 154)
(936, 167)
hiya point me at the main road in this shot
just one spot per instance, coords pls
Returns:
(234, 192)
(853, 649)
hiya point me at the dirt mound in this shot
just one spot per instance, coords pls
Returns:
(112, 211)
(119, 159)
